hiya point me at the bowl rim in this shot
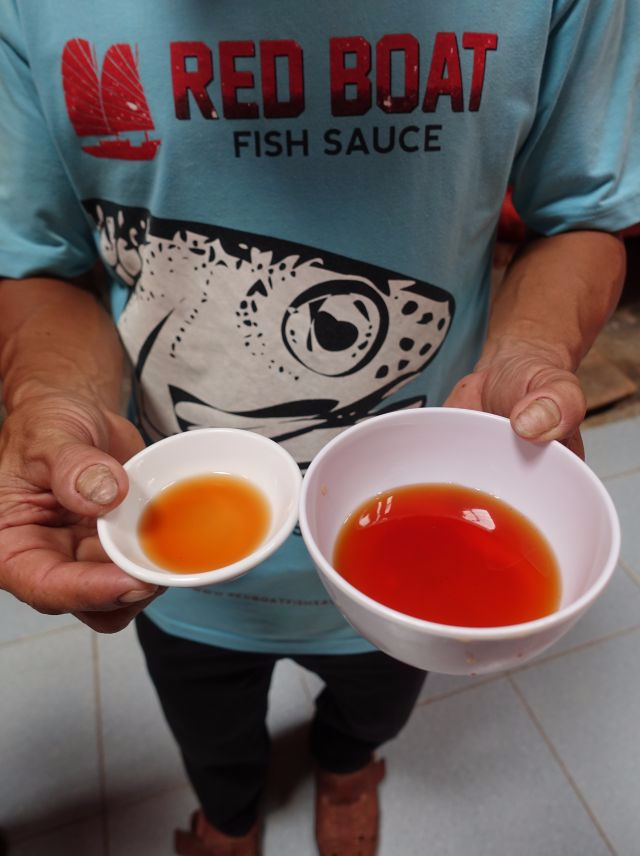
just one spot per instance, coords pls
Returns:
(226, 572)
(460, 633)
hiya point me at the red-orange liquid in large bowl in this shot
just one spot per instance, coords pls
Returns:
(204, 523)
(449, 554)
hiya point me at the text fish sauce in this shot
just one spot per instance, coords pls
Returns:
(449, 554)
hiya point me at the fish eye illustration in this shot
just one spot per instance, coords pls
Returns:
(336, 327)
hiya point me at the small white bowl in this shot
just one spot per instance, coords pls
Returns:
(207, 450)
(546, 482)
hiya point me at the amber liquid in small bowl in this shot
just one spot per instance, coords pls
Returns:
(204, 523)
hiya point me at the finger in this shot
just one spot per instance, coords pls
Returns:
(575, 444)
(467, 393)
(90, 549)
(112, 622)
(553, 411)
(124, 438)
(92, 587)
(50, 582)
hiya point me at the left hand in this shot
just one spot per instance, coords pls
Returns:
(61, 462)
(526, 382)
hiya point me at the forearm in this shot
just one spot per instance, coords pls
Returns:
(56, 337)
(558, 293)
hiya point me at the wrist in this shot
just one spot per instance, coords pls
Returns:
(56, 337)
(43, 420)
(40, 389)
(557, 295)
(527, 339)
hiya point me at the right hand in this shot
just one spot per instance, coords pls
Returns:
(61, 462)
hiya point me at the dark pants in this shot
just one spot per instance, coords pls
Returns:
(215, 701)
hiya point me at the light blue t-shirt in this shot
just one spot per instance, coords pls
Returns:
(297, 202)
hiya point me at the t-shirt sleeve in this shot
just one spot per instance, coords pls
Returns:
(43, 228)
(579, 167)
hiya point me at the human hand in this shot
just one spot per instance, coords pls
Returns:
(60, 469)
(528, 383)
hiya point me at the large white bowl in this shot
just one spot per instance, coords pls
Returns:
(547, 483)
(207, 450)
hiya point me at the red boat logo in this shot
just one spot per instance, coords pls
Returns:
(108, 105)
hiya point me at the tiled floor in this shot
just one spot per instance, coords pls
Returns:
(540, 762)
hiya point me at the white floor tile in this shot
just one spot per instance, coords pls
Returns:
(588, 703)
(289, 717)
(145, 827)
(48, 734)
(438, 685)
(613, 448)
(84, 838)
(618, 608)
(19, 621)
(289, 825)
(625, 492)
(140, 755)
(289, 705)
(471, 776)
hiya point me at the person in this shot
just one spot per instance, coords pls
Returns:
(295, 209)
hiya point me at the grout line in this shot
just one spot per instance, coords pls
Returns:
(538, 661)
(100, 751)
(620, 475)
(97, 812)
(583, 646)
(49, 829)
(477, 682)
(604, 426)
(538, 725)
(43, 634)
(153, 795)
(630, 572)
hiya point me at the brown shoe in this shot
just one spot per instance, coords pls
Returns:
(347, 811)
(205, 840)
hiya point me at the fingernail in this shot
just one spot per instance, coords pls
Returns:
(136, 595)
(97, 484)
(539, 417)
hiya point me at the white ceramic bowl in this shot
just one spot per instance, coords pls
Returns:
(207, 450)
(547, 483)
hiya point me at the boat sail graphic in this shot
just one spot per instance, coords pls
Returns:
(109, 104)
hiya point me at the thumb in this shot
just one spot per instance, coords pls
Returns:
(552, 411)
(539, 417)
(85, 480)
